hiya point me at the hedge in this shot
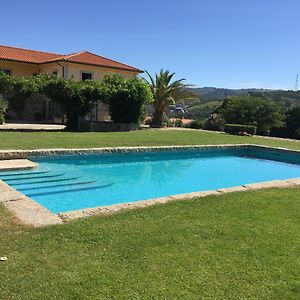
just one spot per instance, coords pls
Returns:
(196, 124)
(237, 128)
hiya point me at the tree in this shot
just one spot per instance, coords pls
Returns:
(166, 92)
(75, 98)
(247, 110)
(7, 84)
(126, 98)
(293, 122)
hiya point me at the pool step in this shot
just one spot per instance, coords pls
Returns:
(58, 185)
(23, 173)
(46, 181)
(34, 177)
(68, 191)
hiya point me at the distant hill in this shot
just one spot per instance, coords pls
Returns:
(210, 98)
(212, 93)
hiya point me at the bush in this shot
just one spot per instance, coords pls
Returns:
(293, 122)
(165, 121)
(260, 112)
(3, 107)
(215, 122)
(75, 98)
(178, 123)
(196, 124)
(2, 119)
(292, 126)
(126, 98)
(237, 128)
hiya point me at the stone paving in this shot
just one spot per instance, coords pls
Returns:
(31, 127)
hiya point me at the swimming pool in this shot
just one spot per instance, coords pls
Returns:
(66, 183)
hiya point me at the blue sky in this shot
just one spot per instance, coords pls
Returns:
(222, 43)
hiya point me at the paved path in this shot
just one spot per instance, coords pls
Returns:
(31, 127)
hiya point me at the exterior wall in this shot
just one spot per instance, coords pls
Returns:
(51, 67)
(73, 71)
(18, 69)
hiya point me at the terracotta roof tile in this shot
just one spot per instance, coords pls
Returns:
(39, 57)
(24, 55)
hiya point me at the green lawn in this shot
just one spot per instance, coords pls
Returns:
(234, 246)
(35, 140)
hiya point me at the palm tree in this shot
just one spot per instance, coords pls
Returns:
(166, 92)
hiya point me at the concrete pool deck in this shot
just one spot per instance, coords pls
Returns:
(32, 213)
(17, 164)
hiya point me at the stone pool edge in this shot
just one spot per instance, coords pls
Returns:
(105, 210)
(32, 213)
(24, 154)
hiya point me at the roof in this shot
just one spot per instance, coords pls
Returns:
(39, 57)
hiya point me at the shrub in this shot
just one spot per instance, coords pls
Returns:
(292, 126)
(293, 122)
(249, 110)
(215, 122)
(14, 90)
(196, 124)
(126, 98)
(3, 107)
(178, 123)
(237, 128)
(75, 98)
(7, 83)
(165, 121)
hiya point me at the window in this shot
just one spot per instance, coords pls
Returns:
(86, 76)
(54, 73)
(6, 71)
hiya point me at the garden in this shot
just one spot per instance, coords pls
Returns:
(128, 101)
(230, 246)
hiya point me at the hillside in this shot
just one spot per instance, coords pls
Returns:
(212, 93)
(210, 98)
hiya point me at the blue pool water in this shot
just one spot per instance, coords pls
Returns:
(64, 183)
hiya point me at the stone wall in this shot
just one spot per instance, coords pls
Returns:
(106, 126)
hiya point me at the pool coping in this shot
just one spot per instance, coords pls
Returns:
(17, 164)
(32, 213)
(24, 154)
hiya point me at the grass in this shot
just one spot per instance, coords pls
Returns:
(234, 246)
(35, 140)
